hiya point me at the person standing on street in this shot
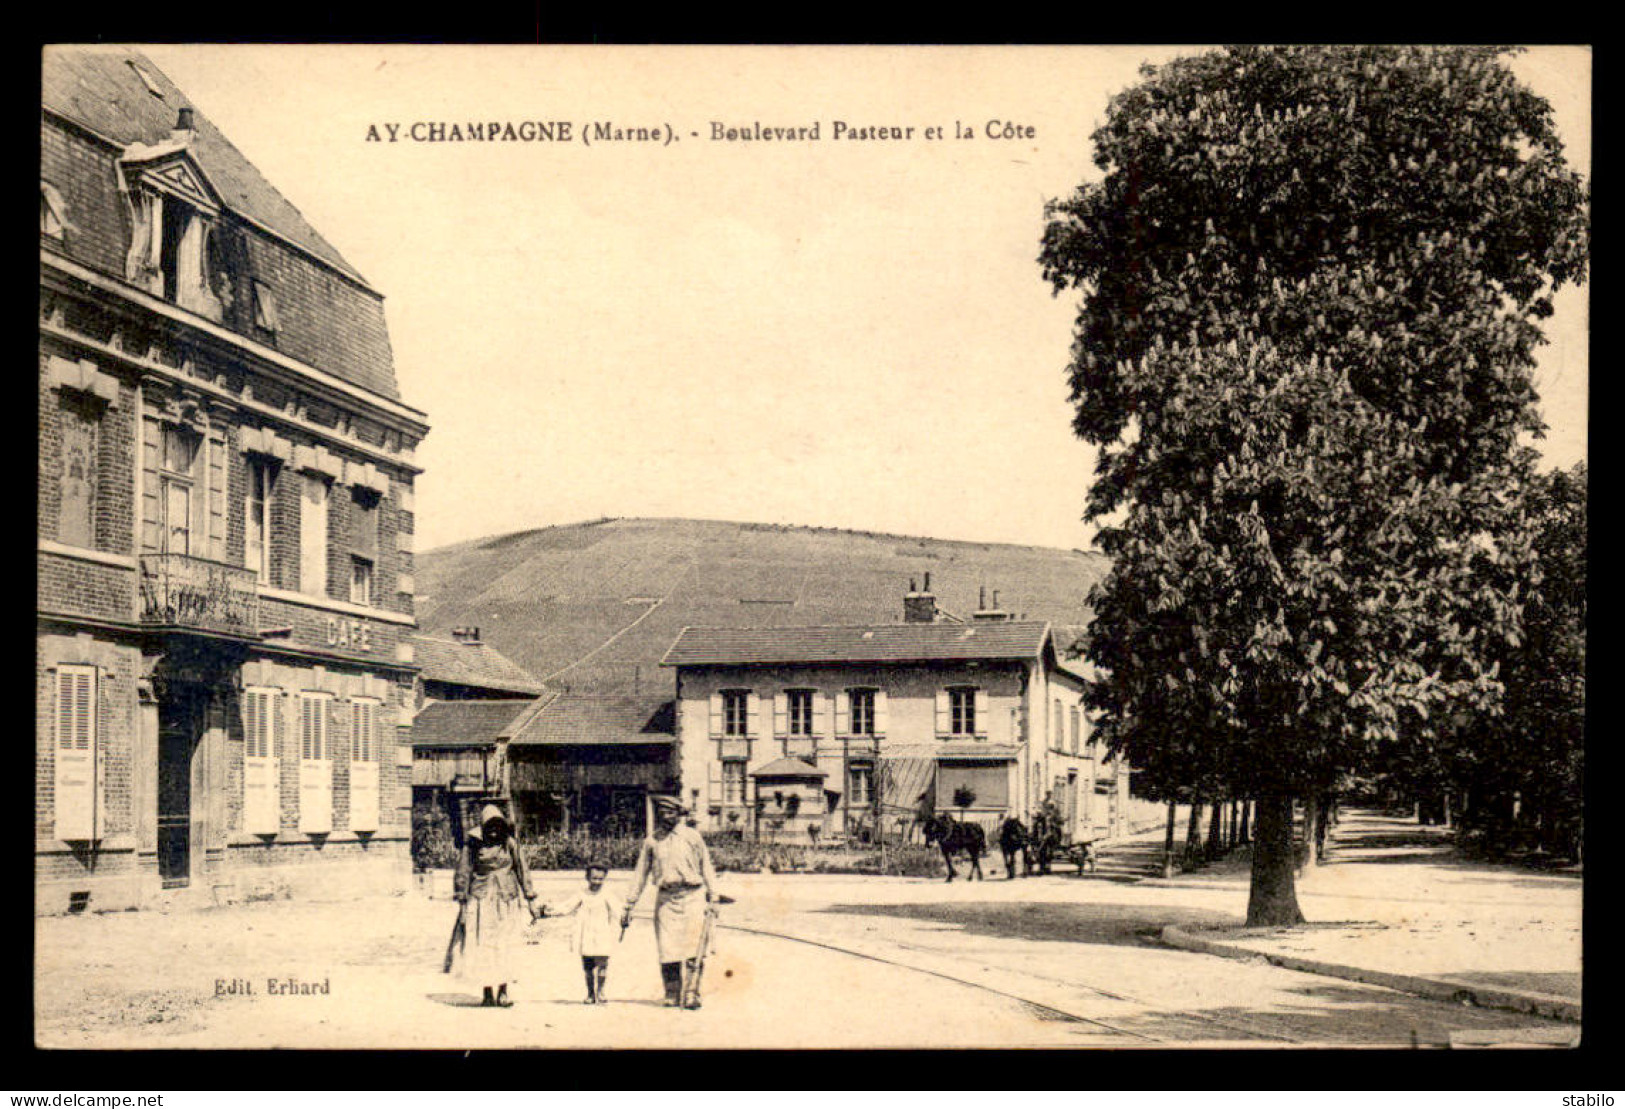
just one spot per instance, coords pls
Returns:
(490, 882)
(675, 860)
(594, 937)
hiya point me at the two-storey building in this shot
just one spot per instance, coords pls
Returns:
(224, 668)
(803, 733)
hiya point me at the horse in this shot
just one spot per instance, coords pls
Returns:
(954, 836)
(1045, 840)
(1013, 840)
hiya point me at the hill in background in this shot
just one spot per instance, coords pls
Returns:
(595, 605)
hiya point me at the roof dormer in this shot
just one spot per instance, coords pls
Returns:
(174, 211)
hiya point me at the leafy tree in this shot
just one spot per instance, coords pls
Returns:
(1534, 749)
(1312, 283)
(964, 798)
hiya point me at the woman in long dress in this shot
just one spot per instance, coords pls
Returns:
(496, 902)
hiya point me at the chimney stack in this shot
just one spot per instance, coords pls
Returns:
(921, 607)
(984, 614)
(184, 127)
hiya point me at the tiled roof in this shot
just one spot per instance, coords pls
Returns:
(875, 643)
(465, 723)
(789, 768)
(98, 88)
(598, 718)
(476, 665)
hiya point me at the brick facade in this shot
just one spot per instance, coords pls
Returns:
(153, 605)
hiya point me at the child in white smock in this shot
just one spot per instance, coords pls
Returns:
(597, 919)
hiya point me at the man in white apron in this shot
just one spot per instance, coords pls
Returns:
(675, 860)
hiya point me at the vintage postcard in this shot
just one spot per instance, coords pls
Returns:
(571, 547)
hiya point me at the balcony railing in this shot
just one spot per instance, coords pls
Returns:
(184, 592)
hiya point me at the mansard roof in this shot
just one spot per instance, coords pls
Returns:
(108, 90)
(110, 118)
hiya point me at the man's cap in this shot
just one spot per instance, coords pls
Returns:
(669, 805)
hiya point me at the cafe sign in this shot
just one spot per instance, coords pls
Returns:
(351, 634)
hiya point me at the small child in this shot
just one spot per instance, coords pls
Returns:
(598, 917)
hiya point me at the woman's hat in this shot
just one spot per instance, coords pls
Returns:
(490, 813)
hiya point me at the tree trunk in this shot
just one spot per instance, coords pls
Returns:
(1245, 836)
(1322, 823)
(1215, 831)
(1193, 833)
(1272, 900)
(1168, 841)
(1311, 820)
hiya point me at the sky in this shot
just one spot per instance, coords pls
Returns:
(848, 332)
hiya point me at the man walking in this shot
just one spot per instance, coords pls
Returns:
(675, 860)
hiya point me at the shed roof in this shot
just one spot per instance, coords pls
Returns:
(475, 665)
(597, 719)
(789, 767)
(1005, 639)
(106, 89)
(465, 723)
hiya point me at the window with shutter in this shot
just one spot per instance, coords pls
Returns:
(733, 782)
(799, 703)
(257, 517)
(966, 711)
(753, 714)
(262, 794)
(843, 713)
(364, 765)
(781, 714)
(736, 718)
(313, 536)
(315, 765)
(715, 708)
(76, 515)
(881, 712)
(77, 810)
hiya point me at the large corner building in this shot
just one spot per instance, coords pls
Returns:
(224, 673)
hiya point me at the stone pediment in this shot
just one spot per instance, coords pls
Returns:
(170, 167)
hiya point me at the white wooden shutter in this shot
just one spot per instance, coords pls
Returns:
(214, 469)
(944, 720)
(753, 715)
(315, 766)
(781, 714)
(821, 714)
(713, 782)
(716, 715)
(262, 794)
(843, 713)
(880, 712)
(75, 753)
(363, 766)
(981, 712)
